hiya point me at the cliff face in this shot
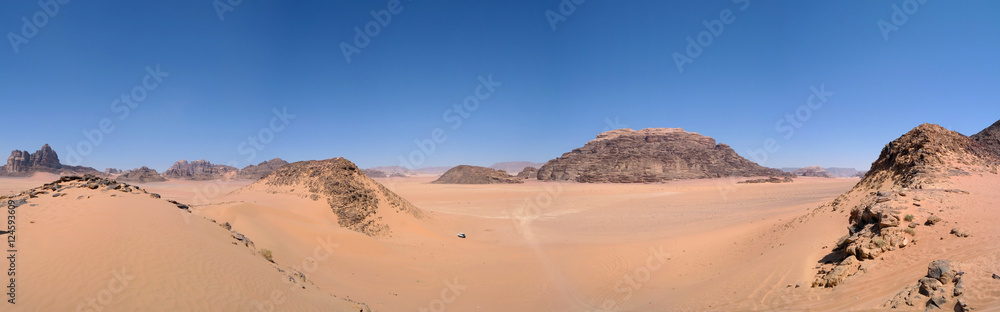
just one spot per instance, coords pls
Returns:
(22, 163)
(650, 155)
(198, 170)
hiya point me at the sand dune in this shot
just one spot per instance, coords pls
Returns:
(93, 250)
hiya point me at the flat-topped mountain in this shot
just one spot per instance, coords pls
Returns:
(198, 170)
(254, 172)
(360, 203)
(650, 155)
(23, 163)
(464, 174)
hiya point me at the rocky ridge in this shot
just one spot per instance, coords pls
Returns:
(360, 203)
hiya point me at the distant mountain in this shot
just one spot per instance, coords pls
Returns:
(141, 175)
(813, 171)
(651, 155)
(835, 171)
(389, 170)
(514, 167)
(199, 170)
(23, 164)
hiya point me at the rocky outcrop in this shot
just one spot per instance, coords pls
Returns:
(935, 290)
(650, 155)
(989, 138)
(515, 166)
(813, 171)
(22, 163)
(113, 171)
(475, 175)
(528, 173)
(141, 175)
(926, 155)
(912, 169)
(360, 203)
(198, 170)
(254, 172)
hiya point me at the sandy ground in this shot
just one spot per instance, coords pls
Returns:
(702, 245)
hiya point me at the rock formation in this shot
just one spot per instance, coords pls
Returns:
(650, 155)
(254, 172)
(911, 170)
(22, 163)
(515, 166)
(923, 155)
(943, 282)
(113, 171)
(989, 138)
(360, 203)
(475, 175)
(198, 170)
(528, 173)
(813, 171)
(141, 175)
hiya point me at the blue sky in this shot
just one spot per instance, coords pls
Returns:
(607, 62)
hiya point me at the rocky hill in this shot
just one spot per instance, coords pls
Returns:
(515, 166)
(198, 170)
(360, 203)
(989, 138)
(141, 175)
(22, 164)
(254, 172)
(902, 195)
(475, 175)
(650, 155)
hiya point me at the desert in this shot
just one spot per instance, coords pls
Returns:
(552, 155)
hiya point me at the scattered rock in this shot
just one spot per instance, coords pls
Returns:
(959, 232)
(931, 220)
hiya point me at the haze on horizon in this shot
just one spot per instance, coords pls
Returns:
(201, 80)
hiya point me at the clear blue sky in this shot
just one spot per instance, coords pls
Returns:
(608, 60)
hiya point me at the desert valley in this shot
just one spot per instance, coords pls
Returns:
(658, 219)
